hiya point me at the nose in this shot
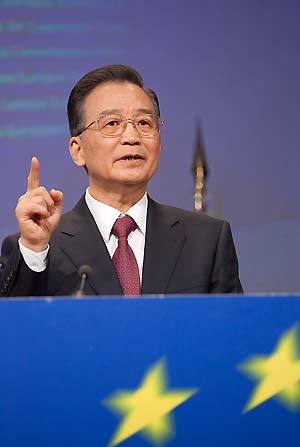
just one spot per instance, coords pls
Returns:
(130, 135)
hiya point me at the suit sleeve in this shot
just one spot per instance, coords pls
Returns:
(225, 274)
(16, 279)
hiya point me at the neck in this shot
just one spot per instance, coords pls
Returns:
(120, 200)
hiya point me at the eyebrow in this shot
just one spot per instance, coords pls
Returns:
(112, 111)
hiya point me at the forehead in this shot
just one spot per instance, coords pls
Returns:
(125, 97)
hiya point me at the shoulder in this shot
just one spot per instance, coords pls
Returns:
(188, 218)
(10, 243)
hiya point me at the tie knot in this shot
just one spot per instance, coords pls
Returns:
(123, 226)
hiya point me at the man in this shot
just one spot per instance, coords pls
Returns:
(115, 135)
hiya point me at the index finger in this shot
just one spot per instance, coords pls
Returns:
(34, 174)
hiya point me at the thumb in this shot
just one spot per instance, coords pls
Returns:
(57, 197)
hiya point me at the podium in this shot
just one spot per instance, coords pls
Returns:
(61, 360)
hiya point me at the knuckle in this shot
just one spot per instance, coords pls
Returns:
(42, 189)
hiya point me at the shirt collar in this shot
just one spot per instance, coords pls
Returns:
(105, 215)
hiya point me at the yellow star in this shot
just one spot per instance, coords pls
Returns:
(279, 373)
(147, 408)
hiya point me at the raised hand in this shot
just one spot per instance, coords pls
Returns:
(38, 211)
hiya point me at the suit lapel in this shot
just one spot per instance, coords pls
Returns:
(82, 243)
(165, 238)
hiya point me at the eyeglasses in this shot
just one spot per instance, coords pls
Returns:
(146, 124)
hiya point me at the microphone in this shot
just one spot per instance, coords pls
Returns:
(84, 272)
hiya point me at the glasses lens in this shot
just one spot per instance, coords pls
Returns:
(146, 124)
(110, 125)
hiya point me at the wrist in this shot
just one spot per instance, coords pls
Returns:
(34, 246)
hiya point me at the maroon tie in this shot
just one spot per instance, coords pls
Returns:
(124, 259)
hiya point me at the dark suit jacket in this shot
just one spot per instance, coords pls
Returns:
(185, 253)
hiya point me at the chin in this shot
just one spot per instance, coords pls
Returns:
(133, 181)
(134, 176)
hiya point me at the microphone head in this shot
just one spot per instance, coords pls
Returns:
(85, 269)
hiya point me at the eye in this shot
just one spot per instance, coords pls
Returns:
(145, 122)
(112, 123)
(109, 121)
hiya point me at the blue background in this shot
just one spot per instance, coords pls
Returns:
(231, 66)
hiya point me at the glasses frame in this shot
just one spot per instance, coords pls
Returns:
(125, 121)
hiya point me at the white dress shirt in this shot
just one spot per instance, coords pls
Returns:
(105, 217)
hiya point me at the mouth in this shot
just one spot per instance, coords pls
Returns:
(131, 157)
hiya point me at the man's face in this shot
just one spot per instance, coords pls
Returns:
(121, 161)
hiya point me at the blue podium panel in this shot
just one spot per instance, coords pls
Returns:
(114, 371)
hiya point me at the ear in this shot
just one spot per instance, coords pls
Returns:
(76, 151)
